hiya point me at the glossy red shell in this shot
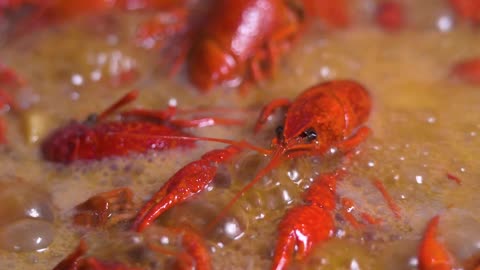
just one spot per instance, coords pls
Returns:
(233, 32)
(333, 109)
(78, 141)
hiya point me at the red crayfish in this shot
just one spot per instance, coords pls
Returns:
(327, 115)
(239, 39)
(107, 208)
(77, 260)
(193, 254)
(138, 131)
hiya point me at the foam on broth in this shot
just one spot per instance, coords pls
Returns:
(424, 125)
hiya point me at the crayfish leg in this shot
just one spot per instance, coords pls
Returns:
(194, 253)
(124, 100)
(351, 143)
(269, 109)
(188, 181)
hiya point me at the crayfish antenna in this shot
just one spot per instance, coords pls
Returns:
(127, 98)
(274, 162)
(241, 144)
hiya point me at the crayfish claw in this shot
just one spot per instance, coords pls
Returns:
(111, 206)
(432, 254)
(303, 226)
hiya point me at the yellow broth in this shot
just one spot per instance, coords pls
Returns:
(424, 125)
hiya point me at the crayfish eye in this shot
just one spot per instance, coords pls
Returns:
(91, 119)
(309, 134)
(279, 133)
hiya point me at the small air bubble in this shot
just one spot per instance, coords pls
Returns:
(354, 265)
(444, 23)
(112, 39)
(341, 233)
(419, 179)
(172, 102)
(371, 164)
(102, 59)
(231, 228)
(136, 239)
(413, 261)
(260, 216)
(74, 96)
(96, 75)
(286, 197)
(431, 119)
(325, 72)
(164, 240)
(77, 79)
(293, 175)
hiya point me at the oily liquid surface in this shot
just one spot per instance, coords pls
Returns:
(424, 125)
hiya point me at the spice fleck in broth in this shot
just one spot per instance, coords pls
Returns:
(418, 162)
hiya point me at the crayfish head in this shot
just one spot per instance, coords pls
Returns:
(308, 136)
(63, 144)
(91, 119)
(303, 143)
(209, 65)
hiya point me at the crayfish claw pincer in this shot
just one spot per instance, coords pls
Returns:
(303, 226)
(432, 254)
(307, 225)
(110, 206)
